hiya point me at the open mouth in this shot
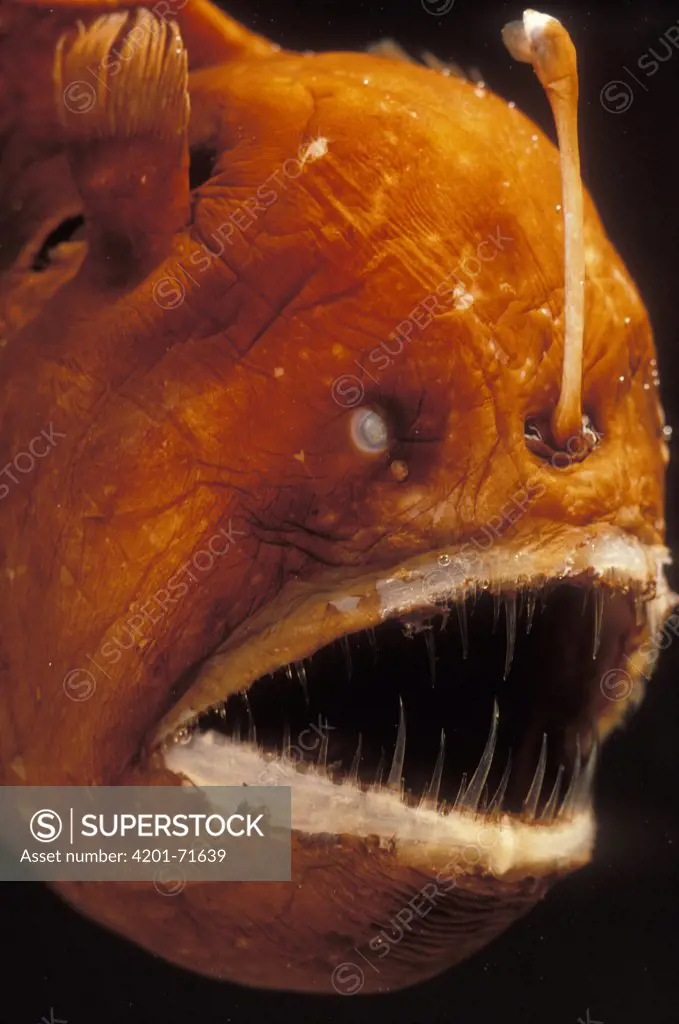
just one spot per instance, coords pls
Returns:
(480, 705)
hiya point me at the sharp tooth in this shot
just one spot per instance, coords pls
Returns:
(380, 770)
(462, 619)
(395, 779)
(353, 771)
(530, 610)
(598, 619)
(432, 792)
(480, 776)
(322, 759)
(288, 672)
(568, 805)
(550, 806)
(252, 729)
(460, 793)
(530, 804)
(585, 600)
(431, 653)
(510, 620)
(495, 805)
(346, 651)
(496, 610)
(583, 795)
(302, 680)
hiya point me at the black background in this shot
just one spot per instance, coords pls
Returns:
(604, 940)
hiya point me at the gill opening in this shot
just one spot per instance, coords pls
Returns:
(542, 41)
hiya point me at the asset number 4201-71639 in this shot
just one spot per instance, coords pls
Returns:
(191, 856)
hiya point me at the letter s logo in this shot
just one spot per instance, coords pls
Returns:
(45, 826)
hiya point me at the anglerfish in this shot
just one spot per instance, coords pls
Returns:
(333, 459)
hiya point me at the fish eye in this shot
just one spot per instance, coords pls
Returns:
(369, 431)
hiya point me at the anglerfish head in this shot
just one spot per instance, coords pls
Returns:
(333, 460)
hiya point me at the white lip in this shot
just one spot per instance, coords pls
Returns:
(461, 841)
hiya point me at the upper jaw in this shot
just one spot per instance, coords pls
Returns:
(306, 616)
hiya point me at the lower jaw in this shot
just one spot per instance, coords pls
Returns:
(352, 920)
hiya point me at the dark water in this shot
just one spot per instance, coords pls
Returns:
(605, 941)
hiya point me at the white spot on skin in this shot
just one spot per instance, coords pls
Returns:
(300, 456)
(628, 320)
(528, 369)
(278, 371)
(512, 105)
(463, 299)
(346, 604)
(314, 151)
(480, 92)
(497, 351)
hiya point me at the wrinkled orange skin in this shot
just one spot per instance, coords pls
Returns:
(179, 420)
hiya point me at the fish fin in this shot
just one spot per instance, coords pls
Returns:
(121, 89)
(213, 37)
(392, 50)
(210, 34)
(447, 67)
